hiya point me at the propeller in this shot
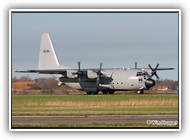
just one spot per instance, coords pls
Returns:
(79, 72)
(99, 73)
(154, 71)
(135, 65)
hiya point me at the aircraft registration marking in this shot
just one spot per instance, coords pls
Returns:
(45, 51)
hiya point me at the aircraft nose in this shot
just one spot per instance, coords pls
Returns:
(149, 83)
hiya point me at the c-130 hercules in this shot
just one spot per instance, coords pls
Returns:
(107, 80)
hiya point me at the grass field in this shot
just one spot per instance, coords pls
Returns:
(130, 104)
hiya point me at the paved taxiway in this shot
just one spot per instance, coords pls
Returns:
(40, 120)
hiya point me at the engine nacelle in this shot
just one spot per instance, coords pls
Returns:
(71, 74)
(91, 74)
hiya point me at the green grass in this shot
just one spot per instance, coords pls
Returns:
(92, 98)
(130, 104)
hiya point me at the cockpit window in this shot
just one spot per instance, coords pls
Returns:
(140, 74)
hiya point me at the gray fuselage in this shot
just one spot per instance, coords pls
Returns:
(115, 79)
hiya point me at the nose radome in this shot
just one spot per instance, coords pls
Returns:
(149, 83)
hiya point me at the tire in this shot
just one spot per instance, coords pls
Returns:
(111, 92)
(88, 93)
(105, 91)
(140, 91)
(95, 93)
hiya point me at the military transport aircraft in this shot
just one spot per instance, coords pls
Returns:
(107, 80)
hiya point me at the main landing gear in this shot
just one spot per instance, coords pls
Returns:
(108, 92)
(89, 93)
(104, 92)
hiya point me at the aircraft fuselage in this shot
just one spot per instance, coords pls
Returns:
(118, 80)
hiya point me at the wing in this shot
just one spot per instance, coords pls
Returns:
(46, 71)
(92, 73)
(165, 68)
(70, 73)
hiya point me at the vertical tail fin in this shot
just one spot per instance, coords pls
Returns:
(47, 57)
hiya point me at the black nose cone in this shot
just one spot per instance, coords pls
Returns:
(149, 83)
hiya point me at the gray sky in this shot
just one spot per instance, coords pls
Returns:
(116, 39)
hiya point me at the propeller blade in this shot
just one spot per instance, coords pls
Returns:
(165, 68)
(135, 65)
(97, 81)
(156, 67)
(111, 75)
(99, 73)
(156, 76)
(79, 72)
(150, 67)
(100, 66)
(78, 66)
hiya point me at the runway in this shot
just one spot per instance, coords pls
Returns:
(109, 119)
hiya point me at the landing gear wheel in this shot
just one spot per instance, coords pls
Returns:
(88, 93)
(108, 92)
(111, 92)
(105, 91)
(95, 93)
(140, 91)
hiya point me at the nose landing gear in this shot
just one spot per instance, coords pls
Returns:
(140, 91)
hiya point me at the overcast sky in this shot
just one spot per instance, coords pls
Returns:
(116, 39)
